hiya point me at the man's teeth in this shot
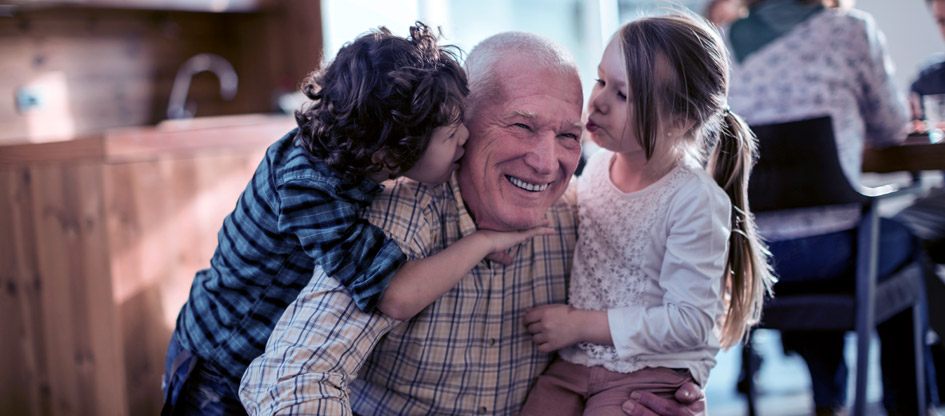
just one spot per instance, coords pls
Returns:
(527, 186)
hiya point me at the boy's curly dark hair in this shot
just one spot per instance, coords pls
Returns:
(381, 93)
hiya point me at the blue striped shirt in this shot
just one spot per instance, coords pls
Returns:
(294, 214)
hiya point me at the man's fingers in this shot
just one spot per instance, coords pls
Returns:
(633, 408)
(656, 405)
(689, 393)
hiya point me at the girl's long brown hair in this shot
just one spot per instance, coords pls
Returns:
(677, 66)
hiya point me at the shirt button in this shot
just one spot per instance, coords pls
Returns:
(491, 341)
(483, 410)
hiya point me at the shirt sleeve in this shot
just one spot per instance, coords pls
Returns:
(315, 350)
(330, 230)
(690, 276)
(883, 106)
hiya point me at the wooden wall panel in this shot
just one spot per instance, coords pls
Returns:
(101, 254)
(79, 320)
(162, 237)
(101, 258)
(24, 387)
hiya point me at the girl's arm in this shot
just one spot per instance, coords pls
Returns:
(690, 277)
(420, 282)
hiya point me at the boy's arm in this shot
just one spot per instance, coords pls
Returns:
(331, 231)
(422, 281)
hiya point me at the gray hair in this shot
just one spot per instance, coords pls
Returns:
(482, 61)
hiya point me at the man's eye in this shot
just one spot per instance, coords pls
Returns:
(523, 126)
(569, 136)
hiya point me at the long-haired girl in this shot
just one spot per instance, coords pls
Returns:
(668, 267)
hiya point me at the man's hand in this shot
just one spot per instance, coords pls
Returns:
(690, 400)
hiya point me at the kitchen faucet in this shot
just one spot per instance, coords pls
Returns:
(177, 106)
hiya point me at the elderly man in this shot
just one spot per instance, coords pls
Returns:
(468, 352)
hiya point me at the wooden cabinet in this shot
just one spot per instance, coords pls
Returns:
(102, 237)
(91, 69)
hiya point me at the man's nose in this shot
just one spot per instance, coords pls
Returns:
(543, 157)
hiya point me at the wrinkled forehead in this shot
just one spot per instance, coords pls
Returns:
(546, 91)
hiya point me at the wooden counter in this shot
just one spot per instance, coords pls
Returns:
(103, 237)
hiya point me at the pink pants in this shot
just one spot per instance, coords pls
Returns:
(572, 389)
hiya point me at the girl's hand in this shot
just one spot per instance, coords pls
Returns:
(500, 241)
(554, 326)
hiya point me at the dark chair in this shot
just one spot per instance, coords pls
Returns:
(799, 168)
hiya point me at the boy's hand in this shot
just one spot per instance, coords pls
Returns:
(500, 241)
(553, 326)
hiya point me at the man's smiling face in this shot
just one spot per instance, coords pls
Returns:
(524, 145)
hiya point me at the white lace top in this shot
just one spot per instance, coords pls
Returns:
(654, 260)
(835, 63)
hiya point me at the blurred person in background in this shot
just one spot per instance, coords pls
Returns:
(926, 216)
(931, 79)
(722, 13)
(802, 59)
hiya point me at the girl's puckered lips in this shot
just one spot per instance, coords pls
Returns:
(591, 126)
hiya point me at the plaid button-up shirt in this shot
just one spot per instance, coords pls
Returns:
(467, 353)
(295, 213)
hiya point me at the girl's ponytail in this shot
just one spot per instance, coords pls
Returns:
(747, 274)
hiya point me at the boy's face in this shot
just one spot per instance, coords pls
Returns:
(442, 155)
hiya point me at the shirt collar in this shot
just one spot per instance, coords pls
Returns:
(467, 225)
